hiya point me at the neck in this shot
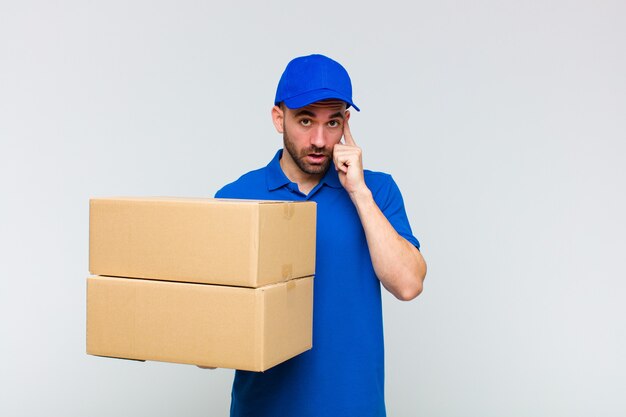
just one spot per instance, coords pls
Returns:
(306, 182)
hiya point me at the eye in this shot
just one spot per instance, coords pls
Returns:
(334, 123)
(305, 122)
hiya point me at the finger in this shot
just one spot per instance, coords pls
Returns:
(340, 164)
(349, 155)
(341, 167)
(347, 135)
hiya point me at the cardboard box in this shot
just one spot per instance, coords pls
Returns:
(215, 241)
(209, 325)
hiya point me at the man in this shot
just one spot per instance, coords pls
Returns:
(363, 239)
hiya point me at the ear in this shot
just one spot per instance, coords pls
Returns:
(347, 114)
(278, 118)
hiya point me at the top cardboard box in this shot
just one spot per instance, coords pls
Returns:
(212, 241)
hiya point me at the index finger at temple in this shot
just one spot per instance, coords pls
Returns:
(347, 135)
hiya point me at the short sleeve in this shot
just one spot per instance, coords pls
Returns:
(390, 201)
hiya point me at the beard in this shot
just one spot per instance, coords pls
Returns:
(300, 157)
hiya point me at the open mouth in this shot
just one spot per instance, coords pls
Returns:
(316, 158)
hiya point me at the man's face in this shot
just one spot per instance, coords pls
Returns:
(311, 132)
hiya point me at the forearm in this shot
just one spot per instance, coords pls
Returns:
(398, 264)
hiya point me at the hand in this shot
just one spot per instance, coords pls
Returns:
(348, 163)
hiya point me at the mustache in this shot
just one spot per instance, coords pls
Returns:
(315, 149)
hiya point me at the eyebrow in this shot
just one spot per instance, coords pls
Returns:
(305, 113)
(311, 114)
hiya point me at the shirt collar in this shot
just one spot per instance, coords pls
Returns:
(276, 178)
(331, 178)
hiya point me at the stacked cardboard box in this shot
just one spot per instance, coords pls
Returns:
(210, 282)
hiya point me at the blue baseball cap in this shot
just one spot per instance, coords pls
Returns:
(312, 78)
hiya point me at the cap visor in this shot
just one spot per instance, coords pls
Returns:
(310, 97)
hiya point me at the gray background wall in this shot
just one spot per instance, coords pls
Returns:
(502, 121)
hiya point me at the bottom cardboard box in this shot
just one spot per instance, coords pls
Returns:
(208, 325)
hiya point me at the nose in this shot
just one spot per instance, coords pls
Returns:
(318, 137)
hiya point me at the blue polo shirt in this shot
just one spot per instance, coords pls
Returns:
(343, 374)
